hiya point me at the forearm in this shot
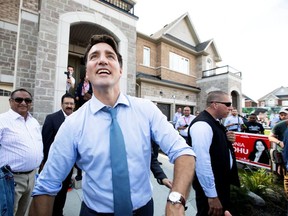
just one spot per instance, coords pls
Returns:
(184, 170)
(42, 205)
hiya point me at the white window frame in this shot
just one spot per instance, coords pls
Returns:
(178, 63)
(146, 56)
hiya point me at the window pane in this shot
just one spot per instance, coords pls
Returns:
(146, 56)
(178, 63)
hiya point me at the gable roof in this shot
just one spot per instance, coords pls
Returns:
(182, 32)
(277, 93)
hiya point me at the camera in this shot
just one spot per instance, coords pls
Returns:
(67, 74)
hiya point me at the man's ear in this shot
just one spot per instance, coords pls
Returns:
(121, 70)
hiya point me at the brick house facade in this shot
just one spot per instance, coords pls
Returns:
(40, 38)
(171, 86)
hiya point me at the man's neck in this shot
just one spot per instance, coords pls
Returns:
(108, 97)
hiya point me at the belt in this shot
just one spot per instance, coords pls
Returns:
(20, 173)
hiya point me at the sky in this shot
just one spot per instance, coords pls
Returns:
(250, 35)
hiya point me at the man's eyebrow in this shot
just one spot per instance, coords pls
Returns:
(106, 52)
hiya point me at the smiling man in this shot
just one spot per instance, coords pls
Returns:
(111, 143)
(20, 147)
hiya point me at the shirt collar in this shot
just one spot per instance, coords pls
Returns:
(14, 115)
(65, 115)
(96, 105)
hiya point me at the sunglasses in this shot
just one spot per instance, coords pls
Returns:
(227, 104)
(20, 100)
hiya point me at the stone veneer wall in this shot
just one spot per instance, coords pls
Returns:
(47, 53)
(7, 50)
(27, 51)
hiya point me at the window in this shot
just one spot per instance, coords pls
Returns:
(4, 92)
(178, 63)
(284, 102)
(146, 56)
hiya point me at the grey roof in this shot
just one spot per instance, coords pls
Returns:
(158, 78)
(278, 93)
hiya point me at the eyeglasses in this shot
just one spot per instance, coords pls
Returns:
(20, 100)
(227, 104)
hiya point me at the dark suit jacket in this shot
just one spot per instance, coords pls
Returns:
(49, 130)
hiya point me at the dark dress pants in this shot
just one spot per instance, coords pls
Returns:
(202, 200)
(60, 198)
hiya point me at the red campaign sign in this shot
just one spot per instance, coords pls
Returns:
(252, 149)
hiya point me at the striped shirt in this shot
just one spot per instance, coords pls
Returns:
(21, 144)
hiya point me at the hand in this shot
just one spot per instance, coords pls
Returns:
(69, 81)
(215, 207)
(167, 183)
(227, 213)
(231, 136)
(174, 210)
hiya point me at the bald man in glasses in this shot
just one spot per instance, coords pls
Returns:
(216, 164)
(21, 152)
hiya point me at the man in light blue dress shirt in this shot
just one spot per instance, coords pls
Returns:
(89, 145)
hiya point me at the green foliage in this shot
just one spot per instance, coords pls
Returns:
(256, 181)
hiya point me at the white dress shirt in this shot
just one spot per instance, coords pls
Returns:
(140, 121)
(21, 144)
(182, 121)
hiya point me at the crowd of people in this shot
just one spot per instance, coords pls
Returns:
(116, 157)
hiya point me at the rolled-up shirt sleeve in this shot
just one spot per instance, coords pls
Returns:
(201, 134)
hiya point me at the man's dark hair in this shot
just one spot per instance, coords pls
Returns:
(20, 89)
(70, 66)
(260, 110)
(95, 39)
(67, 95)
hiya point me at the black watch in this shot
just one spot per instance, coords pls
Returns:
(177, 198)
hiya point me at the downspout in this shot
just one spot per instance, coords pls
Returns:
(17, 45)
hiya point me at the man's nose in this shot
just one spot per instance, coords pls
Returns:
(102, 59)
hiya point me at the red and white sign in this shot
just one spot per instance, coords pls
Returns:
(252, 149)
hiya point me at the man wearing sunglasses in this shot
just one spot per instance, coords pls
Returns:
(216, 164)
(21, 147)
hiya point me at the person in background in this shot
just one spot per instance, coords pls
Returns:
(158, 172)
(197, 112)
(83, 91)
(285, 158)
(262, 116)
(233, 122)
(260, 152)
(273, 119)
(276, 136)
(50, 128)
(90, 146)
(216, 167)
(177, 115)
(21, 147)
(252, 126)
(183, 123)
(70, 81)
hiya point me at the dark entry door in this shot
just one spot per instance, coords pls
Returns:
(165, 108)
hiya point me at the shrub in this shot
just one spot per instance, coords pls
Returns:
(256, 181)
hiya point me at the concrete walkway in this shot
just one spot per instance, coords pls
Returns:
(160, 193)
